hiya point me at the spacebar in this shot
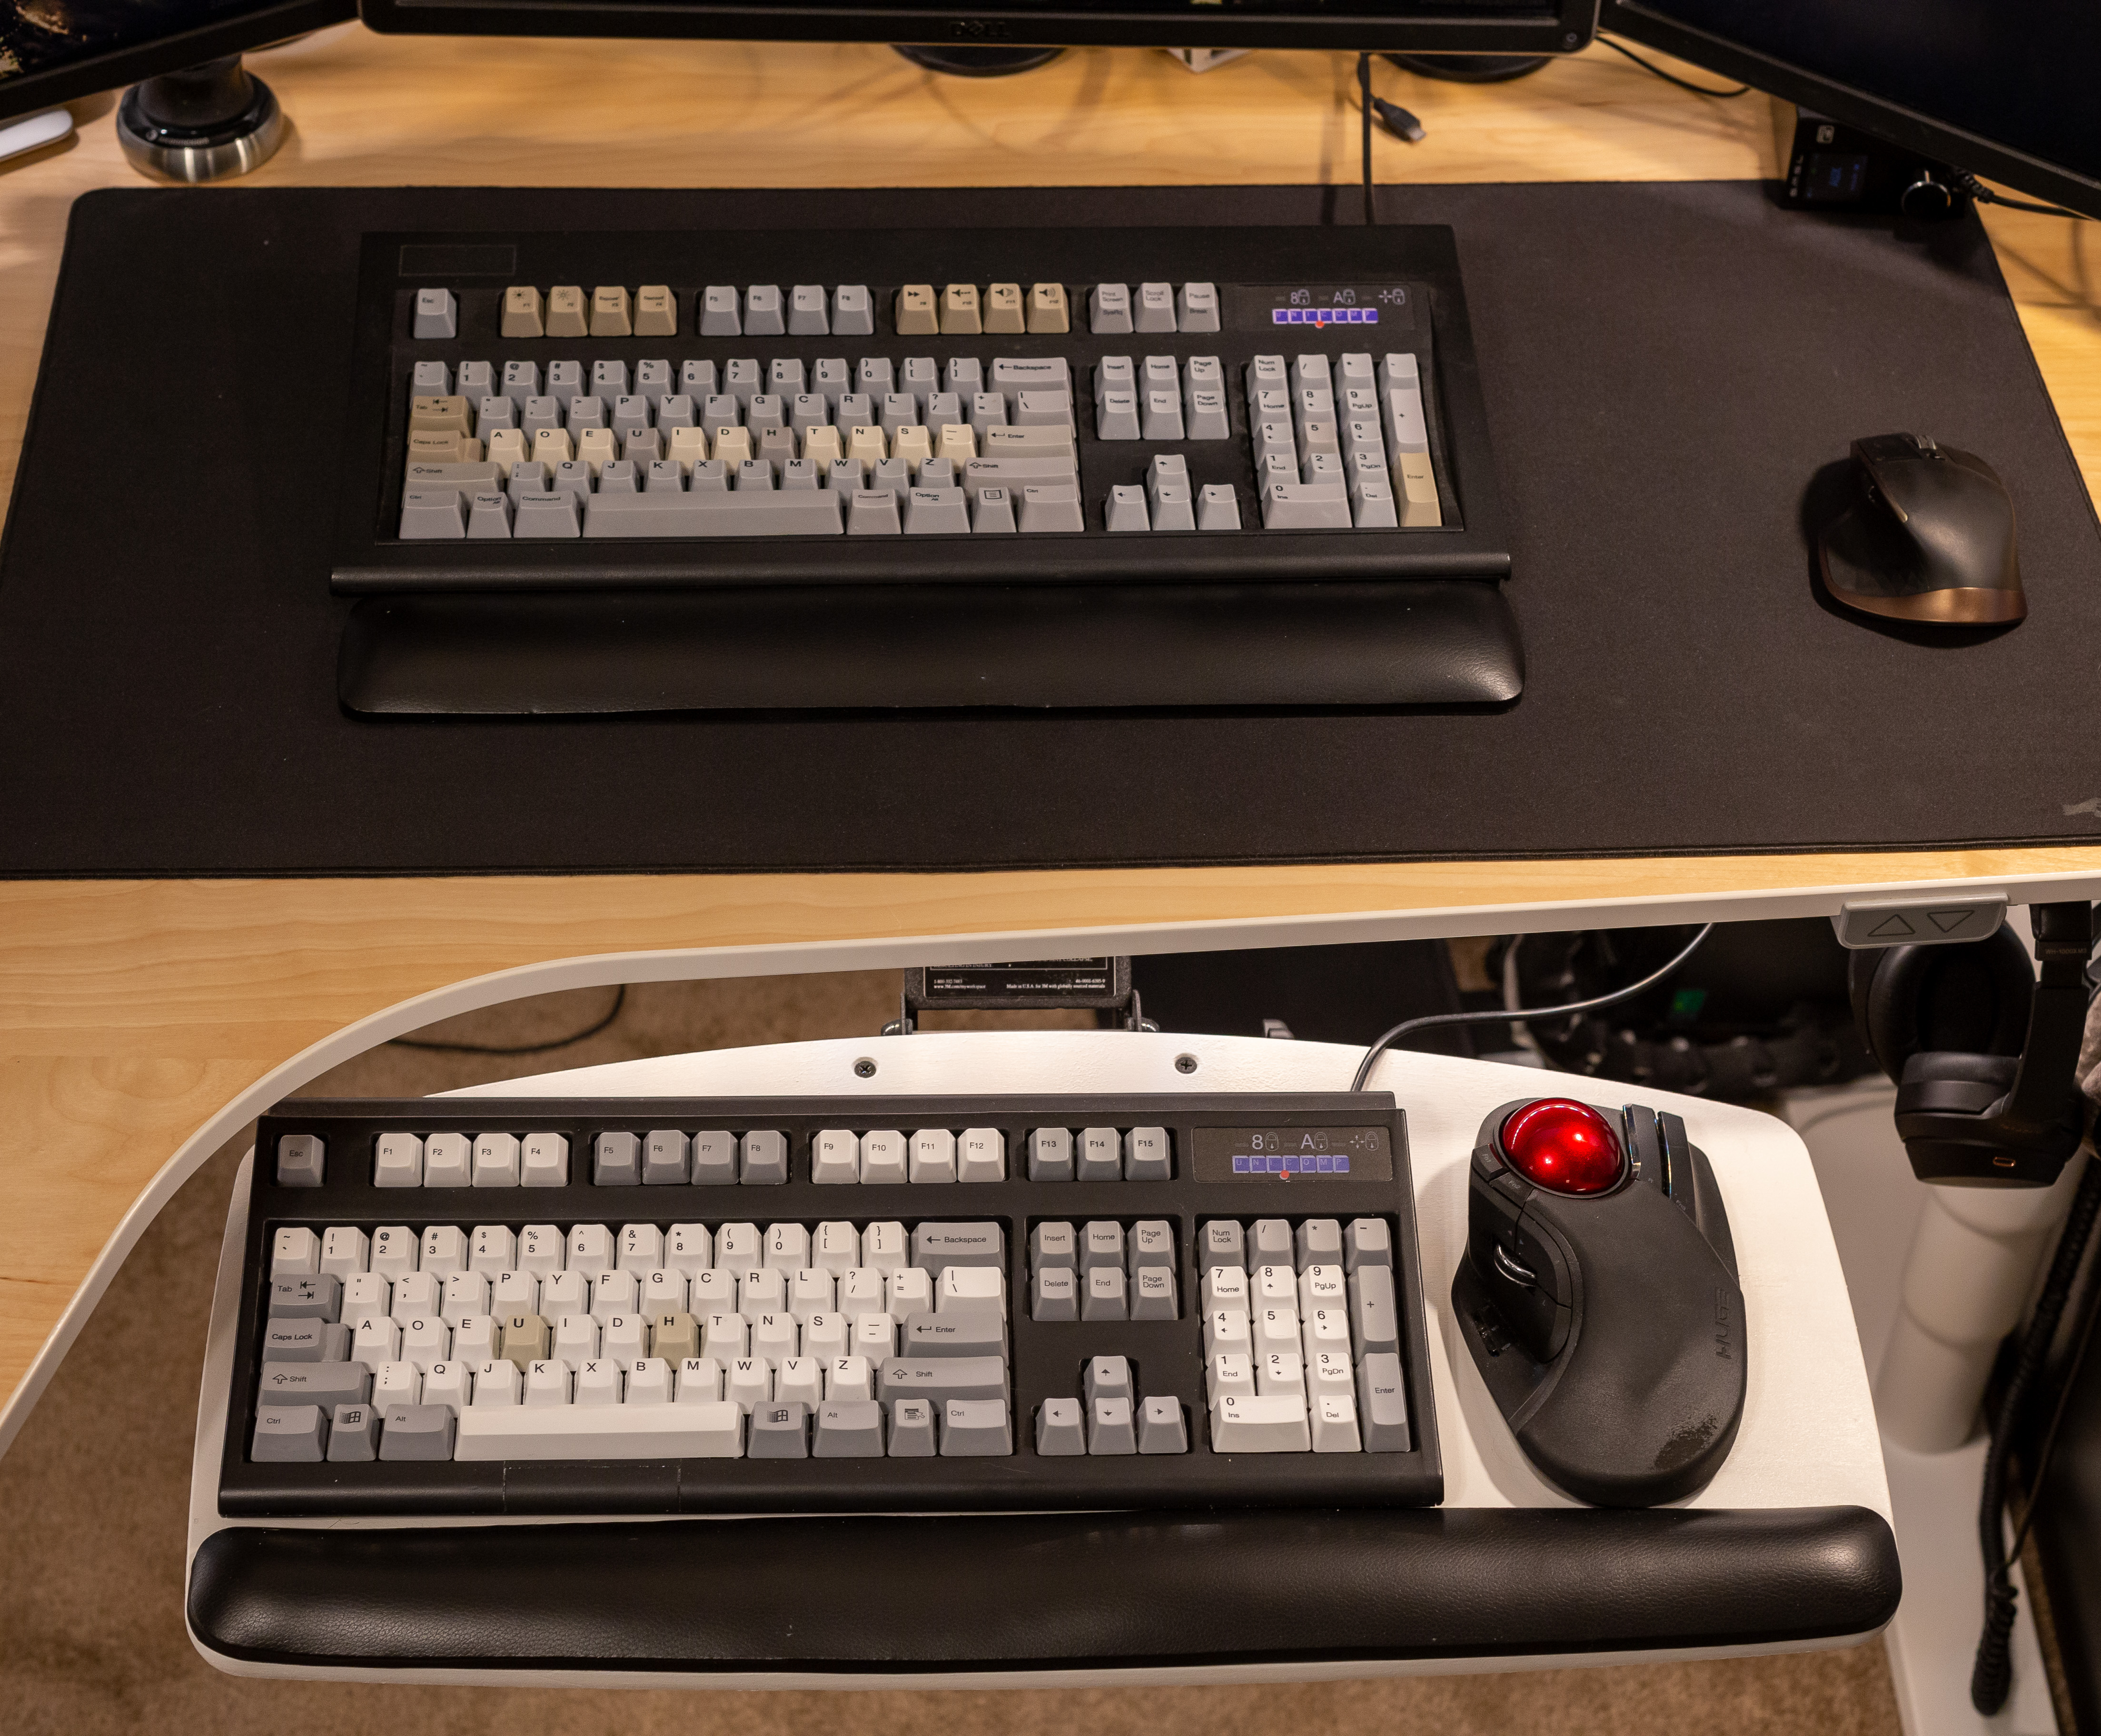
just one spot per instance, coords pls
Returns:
(611, 1431)
(745, 512)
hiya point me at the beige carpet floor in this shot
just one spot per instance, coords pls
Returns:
(94, 1493)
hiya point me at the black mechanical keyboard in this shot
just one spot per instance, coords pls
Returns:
(483, 1306)
(1246, 439)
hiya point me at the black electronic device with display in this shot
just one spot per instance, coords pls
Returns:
(1599, 1298)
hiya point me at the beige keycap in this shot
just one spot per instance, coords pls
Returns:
(522, 310)
(507, 447)
(611, 315)
(550, 446)
(440, 415)
(565, 312)
(915, 312)
(959, 442)
(960, 313)
(674, 1337)
(822, 446)
(732, 445)
(913, 444)
(1417, 488)
(867, 445)
(656, 311)
(1003, 309)
(595, 447)
(523, 1339)
(443, 446)
(1047, 310)
(689, 447)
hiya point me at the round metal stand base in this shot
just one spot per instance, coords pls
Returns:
(212, 153)
(1470, 69)
(976, 63)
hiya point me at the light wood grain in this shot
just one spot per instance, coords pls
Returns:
(131, 1012)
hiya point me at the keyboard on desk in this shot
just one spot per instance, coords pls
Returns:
(542, 1305)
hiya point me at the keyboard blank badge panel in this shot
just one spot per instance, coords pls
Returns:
(538, 1306)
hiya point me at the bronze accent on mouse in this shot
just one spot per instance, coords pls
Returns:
(1930, 537)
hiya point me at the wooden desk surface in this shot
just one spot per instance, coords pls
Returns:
(132, 1013)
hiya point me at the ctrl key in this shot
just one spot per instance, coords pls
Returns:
(289, 1434)
(416, 1431)
(975, 1428)
(428, 513)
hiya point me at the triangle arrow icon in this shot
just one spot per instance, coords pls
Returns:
(1890, 928)
(1949, 921)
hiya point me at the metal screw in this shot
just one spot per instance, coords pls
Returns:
(864, 1068)
(1185, 1063)
(1570, 40)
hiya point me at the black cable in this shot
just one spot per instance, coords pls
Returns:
(619, 1001)
(1505, 1015)
(1983, 195)
(1992, 1676)
(2076, 1362)
(1683, 84)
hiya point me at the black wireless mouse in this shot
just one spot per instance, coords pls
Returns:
(1599, 1297)
(1929, 537)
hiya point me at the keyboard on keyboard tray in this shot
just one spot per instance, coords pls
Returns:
(555, 1305)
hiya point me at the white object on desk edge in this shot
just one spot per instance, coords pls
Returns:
(34, 132)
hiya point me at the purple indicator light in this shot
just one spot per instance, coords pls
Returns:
(1343, 1164)
(1239, 1166)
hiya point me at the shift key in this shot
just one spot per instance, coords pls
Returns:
(327, 1385)
(953, 1335)
(941, 1378)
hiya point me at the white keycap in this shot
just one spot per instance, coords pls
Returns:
(799, 1380)
(826, 1334)
(811, 1292)
(1279, 1372)
(496, 1383)
(445, 1250)
(565, 1292)
(449, 1384)
(882, 1157)
(418, 1295)
(933, 1155)
(344, 1252)
(575, 1338)
(466, 1293)
(885, 1247)
(712, 1291)
(614, 1293)
(366, 1293)
(1273, 1425)
(849, 1377)
(425, 1339)
(541, 1250)
(1321, 1287)
(787, 1248)
(1230, 1374)
(1226, 1330)
(625, 1337)
(495, 1249)
(397, 1161)
(396, 1383)
(295, 1253)
(496, 1160)
(1325, 1329)
(983, 1157)
(641, 1247)
(837, 1248)
(874, 1337)
(835, 1156)
(738, 1247)
(1335, 1424)
(591, 1249)
(1274, 1286)
(972, 1290)
(762, 1290)
(544, 1161)
(1276, 1329)
(747, 1380)
(474, 1338)
(447, 1160)
(1225, 1287)
(775, 1337)
(625, 1431)
(689, 1248)
(725, 1336)
(911, 1292)
(515, 1293)
(547, 1384)
(648, 1381)
(700, 1381)
(861, 1293)
(374, 1338)
(663, 1292)
(1327, 1371)
(598, 1381)
(394, 1251)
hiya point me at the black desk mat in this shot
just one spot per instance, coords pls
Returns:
(1666, 367)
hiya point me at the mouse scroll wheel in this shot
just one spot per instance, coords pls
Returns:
(1512, 1269)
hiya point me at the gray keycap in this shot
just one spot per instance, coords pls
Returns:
(584, 410)
(573, 479)
(853, 311)
(1269, 1243)
(711, 476)
(993, 515)
(1107, 1377)
(1051, 1154)
(1367, 1242)
(664, 1158)
(1059, 1433)
(616, 1161)
(755, 476)
(301, 1159)
(831, 379)
(778, 1431)
(900, 410)
(936, 473)
(1223, 1243)
(487, 515)
(1161, 412)
(631, 415)
(1319, 1242)
(1381, 1404)
(1011, 373)
(1145, 1155)
(763, 1153)
(1207, 418)
(621, 476)
(292, 1434)
(1042, 409)
(953, 1335)
(521, 381)
(938, 1379)
(353, 1434)
(1101, 1155)
(552, 514)
(849, 1429)
(1217, 508)
(720, 316)
(766, 410)
(526, 477)
(975, 1428)
(943, 409)
(416, 1432)
(800, 473)
(1125, 510)
(1053, 1245)
(1055, 1295)
(436, 314)
(1161, 1428)
(1173, 509)
(565, 380)
(1196, 307)
(708, 509)
(962, 375)
(663, 475)
(1105, 1295)
(1155, 310)
(762, 311)
(305, 1341)
(1372, 504)
(1014, 473)
(935, 1247)
(1149, 1243)
(654, 381)
(806, 311)
(742, 379)
(807, 410)
(324, 1384)
(1152, 1294)
(1374, 1315)
(1116, 414)
(873, 512)
(936, 512)
(911, 1429)
(988, 410)
(715, 1158)
(874, 378)
(1109, 308)
(895, 475)
(319, 1297)
(1110, 1429)
(1101, 1244)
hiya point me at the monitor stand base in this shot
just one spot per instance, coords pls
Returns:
(1470, 69)
(973, 62)
(201, 124)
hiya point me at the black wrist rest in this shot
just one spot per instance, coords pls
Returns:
(1043, 1592)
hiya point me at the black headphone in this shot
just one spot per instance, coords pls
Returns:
(1984, 1055)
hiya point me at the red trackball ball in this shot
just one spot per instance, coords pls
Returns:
(1567, 1147)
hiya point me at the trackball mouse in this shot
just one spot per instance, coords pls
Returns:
(1599, 1297)
(1929, 537)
